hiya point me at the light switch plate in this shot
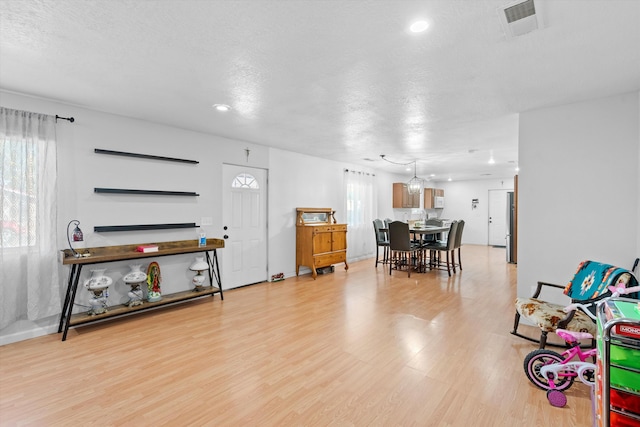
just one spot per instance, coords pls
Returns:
(206, 220)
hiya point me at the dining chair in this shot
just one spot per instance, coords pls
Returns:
(381, 242)
(404, 253)
(458, 243)
(435, 222)
(435, 248)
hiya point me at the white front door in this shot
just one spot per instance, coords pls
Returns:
(498, 217)
(244, 217)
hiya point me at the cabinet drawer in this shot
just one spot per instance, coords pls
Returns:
(625, 401)
(622, 420)
(325, 260)
(321, 229)
(625, 356)
(624, 379)
(339, 227)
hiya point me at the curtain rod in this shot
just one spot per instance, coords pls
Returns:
(70, 119)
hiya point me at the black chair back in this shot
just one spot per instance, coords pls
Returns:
(380, 236)
(399, 238)
(458, 241)
(451, 237)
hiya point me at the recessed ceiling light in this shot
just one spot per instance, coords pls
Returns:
(419, 26)
(221, 107)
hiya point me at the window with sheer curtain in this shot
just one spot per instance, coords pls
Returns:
(361, 204)
(30, 289)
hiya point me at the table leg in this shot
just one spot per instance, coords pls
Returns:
(72, 298)
(214, 271)
(67, 297)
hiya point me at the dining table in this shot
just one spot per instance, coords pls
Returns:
(428, 230)
(420, 233)
(425, 230)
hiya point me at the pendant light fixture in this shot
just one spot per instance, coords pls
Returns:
(415, 185)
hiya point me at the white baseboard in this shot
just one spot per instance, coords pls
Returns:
(24, 330)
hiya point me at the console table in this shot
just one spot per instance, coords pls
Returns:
(104, 254)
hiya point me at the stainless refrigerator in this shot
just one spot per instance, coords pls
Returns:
(511, 227)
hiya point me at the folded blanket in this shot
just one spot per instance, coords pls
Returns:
(592, 279)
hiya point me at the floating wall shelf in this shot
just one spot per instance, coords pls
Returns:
(144, 156)
(109, 228)
(149, 192)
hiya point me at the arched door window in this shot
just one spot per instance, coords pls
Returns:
(245, 180)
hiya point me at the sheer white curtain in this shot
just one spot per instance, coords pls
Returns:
(361, 204)
(29, 285)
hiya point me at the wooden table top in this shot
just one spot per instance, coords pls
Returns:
(124, 252)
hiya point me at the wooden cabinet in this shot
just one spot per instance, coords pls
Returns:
(402, 198)
(431, 196)
(320, 242)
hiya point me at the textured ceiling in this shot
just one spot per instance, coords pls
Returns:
(342, 79)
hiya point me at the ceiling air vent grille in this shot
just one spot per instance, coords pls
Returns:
(519, 11)
(520, 17)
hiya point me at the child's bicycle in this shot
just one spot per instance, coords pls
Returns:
(556, 372)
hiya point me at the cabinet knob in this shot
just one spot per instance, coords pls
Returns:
(225, 236)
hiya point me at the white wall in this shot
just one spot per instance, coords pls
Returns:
(578, 188)
(458, 196)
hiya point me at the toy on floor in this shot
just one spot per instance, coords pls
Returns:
(556, 372)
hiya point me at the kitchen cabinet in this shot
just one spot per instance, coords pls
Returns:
(433, 198)
(320, 241)
(402, 198)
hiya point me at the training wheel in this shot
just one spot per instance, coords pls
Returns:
(556, 398)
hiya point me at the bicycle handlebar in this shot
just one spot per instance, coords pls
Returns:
(615, 292)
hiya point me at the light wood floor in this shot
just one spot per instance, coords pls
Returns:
(356, 348)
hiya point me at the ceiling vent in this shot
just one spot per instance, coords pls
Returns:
(520, 17)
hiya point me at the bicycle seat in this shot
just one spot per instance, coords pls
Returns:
(571, 336)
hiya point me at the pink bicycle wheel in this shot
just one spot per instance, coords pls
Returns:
(534, 362)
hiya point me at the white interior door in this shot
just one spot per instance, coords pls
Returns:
(244, 198)
(498, 217)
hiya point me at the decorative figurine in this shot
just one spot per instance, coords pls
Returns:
(199, 265)
(153, 282)
(98, 285)
(134, 279)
